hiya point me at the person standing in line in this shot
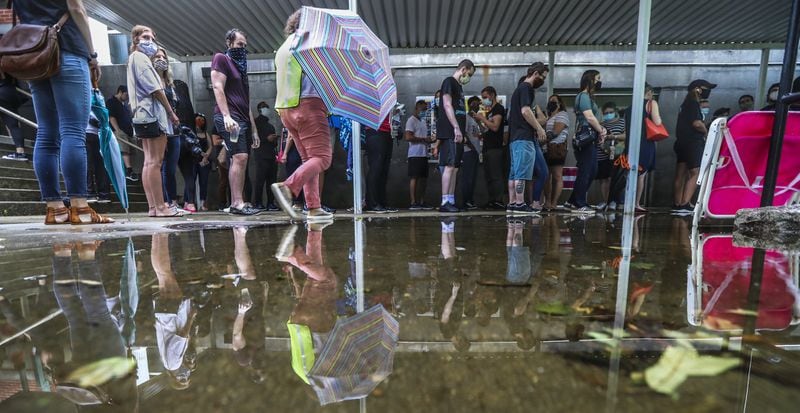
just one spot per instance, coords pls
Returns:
(62, 104)
(419, 140)
(196, 172)
(691, 134)
(12, 99)
(587, 116)
(772, 97)
(450, 126)
(557, 129)
(524, 129)
(149, 101)
(379, 158)
(97, 181)
(615, 126)
(119, 116)
(493, 143)
(746, 103)
(647, 148)
(471, 160)
(169, 165)
(233, 119)
(266, 165)
(305, 116)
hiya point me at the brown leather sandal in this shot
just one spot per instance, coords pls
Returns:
(52, 213)
(75, 216)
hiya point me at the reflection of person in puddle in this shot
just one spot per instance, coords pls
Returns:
(449, 268)
(519, 256)
(314, 314)
(523, 269)
(175, 314)
(93, 333)
(248, 331)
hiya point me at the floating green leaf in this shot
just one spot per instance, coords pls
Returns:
(102, 371)
(679, 363)
(586, 267)
(556, 308)
(642, 265)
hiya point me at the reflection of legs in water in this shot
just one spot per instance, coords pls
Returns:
(245, 304)
(310, 261)
(242, 254)
(448, 240)
(168, 287)
(93, 333)
(514, 234)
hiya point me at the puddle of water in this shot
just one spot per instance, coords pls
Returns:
(468, 314)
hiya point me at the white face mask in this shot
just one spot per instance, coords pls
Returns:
(773, 96)
(464, 79)
(264, 112)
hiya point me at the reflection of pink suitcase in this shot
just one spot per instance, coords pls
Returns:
(719, 282)
(735, 160)
(569, 174)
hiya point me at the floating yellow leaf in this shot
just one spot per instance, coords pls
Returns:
(679, 363)
(102, 371)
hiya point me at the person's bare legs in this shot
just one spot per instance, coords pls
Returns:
(556, 185)
(516, 191)
(236, 178)
(241, 254)
(412, 190)
(168, 287)
(640, 190)
(690, 186)
(680, 181)
(448, 180)
(605, 188)
(151, 173)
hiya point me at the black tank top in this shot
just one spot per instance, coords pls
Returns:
(48, 12)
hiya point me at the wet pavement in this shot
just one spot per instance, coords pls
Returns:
(477, 313)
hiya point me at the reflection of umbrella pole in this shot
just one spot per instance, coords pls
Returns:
(359, 258)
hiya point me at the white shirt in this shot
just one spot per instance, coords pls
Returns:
(420, 130)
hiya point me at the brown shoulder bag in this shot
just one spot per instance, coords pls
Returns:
(30, 51)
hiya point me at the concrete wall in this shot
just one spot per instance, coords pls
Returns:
(736, 72)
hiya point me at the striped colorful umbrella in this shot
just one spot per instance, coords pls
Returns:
(347, 63)
(358, 355)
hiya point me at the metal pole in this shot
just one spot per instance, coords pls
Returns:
(551, 79)
(637, 106)
(359, 261)
(781, 109)
(353, 7)
(19, 118)
(762, 79)
(628, 227)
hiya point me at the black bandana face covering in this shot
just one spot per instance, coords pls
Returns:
(239, 57)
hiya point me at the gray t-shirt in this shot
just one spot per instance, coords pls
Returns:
(560, 117)
(143, 79)
(473, 133)
(420, 130)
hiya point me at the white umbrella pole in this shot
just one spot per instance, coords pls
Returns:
(353, 7)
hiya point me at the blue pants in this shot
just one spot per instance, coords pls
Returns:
(62, 105)
(169, 167)
(587, 169)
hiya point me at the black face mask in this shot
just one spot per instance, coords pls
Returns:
(538, 82)
(552, 107)
(705, 93)
(598, 85)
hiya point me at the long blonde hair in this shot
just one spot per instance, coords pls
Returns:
(136, 32)
(167, 75)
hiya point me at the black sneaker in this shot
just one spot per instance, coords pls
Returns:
(132, 176)
(329, 209)
(103, 199)
(510, 208)
(496, 205)
(14, 156)
(525, 209)
(415, 207)
(449, 208)
(675, 208)
(391, 210)
(425, 207)
(272, 208)
(245, 210)
(377, 209)
(469, 206)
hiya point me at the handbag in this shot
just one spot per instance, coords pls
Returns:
(556, 151)
(145, 126)
(585, 136)
(654, 132)
(31, 51)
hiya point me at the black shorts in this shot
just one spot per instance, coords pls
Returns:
(690, 152)
(418, 167)
(604, 168)
(450, 153)
(242, 145)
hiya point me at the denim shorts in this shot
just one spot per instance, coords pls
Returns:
(523, 156)
(245, 139)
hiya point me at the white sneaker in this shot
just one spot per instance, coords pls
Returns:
(612, 206)
(601, 206)
(584, 211)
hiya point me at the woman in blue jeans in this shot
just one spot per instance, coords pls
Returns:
(62, 105)
(587, 114)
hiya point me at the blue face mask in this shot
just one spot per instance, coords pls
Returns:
(609, 117)
(705, 112)
(148, 47)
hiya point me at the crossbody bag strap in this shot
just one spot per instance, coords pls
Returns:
(61, 22)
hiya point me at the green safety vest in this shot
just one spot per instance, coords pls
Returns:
(289, 76)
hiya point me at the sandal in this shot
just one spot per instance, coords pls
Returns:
(95, 218)
(52, 213)
(173, 212)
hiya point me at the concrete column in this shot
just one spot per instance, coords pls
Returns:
(551, 78)
(761, 91)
